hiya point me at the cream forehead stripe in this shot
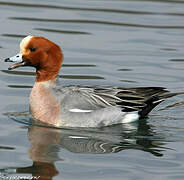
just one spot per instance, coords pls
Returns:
(25, 41)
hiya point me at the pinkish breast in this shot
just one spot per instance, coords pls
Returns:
(43, 105)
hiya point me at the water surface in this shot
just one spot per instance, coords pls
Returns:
(120, 43)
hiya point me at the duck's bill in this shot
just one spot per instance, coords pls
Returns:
(17, 59)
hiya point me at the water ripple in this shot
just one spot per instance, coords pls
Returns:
(177, 60)
(102, 22)
(81, 77)
(14, 35)
(61, 31)
(27, 73)
(6, 148)
(20, 86)
(74, 8)
(27, 5)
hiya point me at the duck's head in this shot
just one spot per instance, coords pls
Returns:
(40, 53)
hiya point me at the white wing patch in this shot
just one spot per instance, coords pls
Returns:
(78, 137)
(80, 110)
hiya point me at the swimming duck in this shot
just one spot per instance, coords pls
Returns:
(78, 106)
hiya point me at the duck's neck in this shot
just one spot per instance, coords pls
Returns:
(45, 75)
(43, 104)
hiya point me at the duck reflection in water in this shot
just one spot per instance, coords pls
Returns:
(46, 144)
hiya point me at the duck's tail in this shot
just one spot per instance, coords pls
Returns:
(143, 99)
(153, 102)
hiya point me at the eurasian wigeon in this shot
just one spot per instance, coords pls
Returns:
(78, 106)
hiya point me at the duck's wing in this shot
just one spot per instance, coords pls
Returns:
(141, 99)
(84, 106)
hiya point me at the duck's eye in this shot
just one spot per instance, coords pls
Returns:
(32, 49)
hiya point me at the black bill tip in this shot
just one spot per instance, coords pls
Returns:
(7, 60)
(9, 68)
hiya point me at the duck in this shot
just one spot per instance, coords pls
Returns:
(78, 106)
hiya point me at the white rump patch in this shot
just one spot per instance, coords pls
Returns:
(80, 110)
